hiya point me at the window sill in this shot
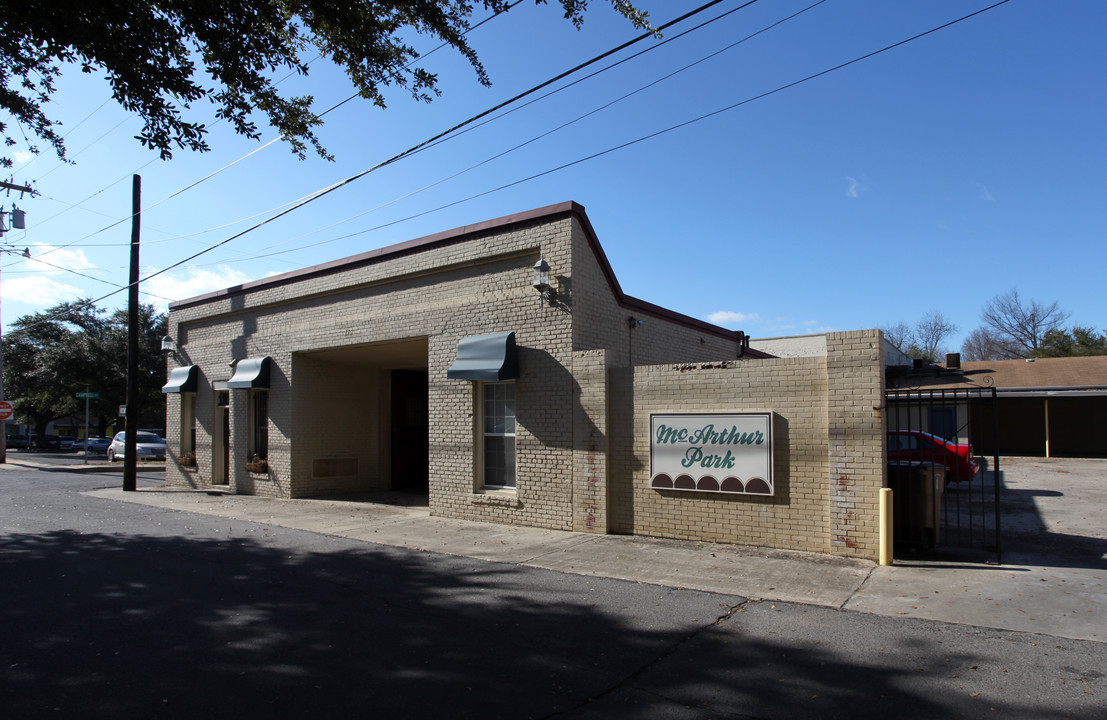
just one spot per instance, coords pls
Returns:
(496, 498)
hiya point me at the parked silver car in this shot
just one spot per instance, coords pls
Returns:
(95, 445)
(148, 446)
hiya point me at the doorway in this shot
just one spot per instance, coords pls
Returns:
(410, 424)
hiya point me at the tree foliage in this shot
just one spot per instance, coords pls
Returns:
(1077, 342)
(49, 357)
(150, 50)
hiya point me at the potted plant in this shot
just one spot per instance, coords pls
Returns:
(187, 459)
(257, 464)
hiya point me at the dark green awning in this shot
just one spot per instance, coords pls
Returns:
(182, 379)
(485, 357)
(250, 373)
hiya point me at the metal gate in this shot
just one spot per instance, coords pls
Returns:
(946, 491)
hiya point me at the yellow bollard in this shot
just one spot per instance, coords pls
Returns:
(886, 531)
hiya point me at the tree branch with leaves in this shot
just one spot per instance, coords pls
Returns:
(149, 52)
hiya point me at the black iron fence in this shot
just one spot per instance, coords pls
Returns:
(946, 495)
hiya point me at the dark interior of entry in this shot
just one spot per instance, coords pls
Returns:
(410, 428)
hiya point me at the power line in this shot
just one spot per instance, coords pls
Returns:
(564, 166)
(649, 136)
(416, 148)
(537, 137)
(234, 162)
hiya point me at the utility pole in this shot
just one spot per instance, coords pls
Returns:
(18, 223)
(130, 458)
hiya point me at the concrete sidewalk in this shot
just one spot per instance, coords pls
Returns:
(1055, 597)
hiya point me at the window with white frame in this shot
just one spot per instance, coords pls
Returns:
(498, 434)
(259, 423)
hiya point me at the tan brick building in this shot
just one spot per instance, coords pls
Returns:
(443, 366)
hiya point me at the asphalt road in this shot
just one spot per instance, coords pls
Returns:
(121, 610)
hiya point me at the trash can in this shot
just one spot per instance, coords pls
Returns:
(916, 502)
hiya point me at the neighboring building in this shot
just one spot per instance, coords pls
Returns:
(1046, 406)
(440, 366)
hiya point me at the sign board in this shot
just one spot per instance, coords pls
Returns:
(5, 410)
(88, 395)
(716, 453)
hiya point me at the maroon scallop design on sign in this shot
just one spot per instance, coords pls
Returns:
(732, 484)
(684, 482)
(758, 486)
(662, 481)
(708, 483)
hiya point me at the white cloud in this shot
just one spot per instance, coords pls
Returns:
(191, 282)
(37, 290)
(984, 194)
(40, 281)
(728, 317)
(856, 186)
(22, 156)
(54, 260)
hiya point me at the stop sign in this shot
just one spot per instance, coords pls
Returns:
(5, 410)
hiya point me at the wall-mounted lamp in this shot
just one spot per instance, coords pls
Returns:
(168, 346)
(542, 280)
(542, 276)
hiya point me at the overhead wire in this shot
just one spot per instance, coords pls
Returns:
(247, 155)
(416, 148)
(210, 175)
(573, 163)
(83, 120)
(311, 197)
(638, 140)
(652, 135)
(537, 137)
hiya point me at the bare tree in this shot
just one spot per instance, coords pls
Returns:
(932, 332)
(983, 344)
(1021, 327)
(924, 339)
(900, 335)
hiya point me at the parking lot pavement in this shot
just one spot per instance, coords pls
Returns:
(1053, 580)
(1054, 576)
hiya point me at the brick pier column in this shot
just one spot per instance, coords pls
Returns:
(856, 424)
(590, 441)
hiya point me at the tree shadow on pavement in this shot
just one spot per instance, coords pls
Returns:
(113, 626)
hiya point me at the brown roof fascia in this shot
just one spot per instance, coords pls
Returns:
(641, 306)
(457, 234)
(371, 256)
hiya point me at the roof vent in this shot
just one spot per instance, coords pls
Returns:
(953, 361)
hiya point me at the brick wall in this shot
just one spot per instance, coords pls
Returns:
(588, 381)
(858, 463)
(827, 453)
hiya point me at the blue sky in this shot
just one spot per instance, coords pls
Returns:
(933, 176)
